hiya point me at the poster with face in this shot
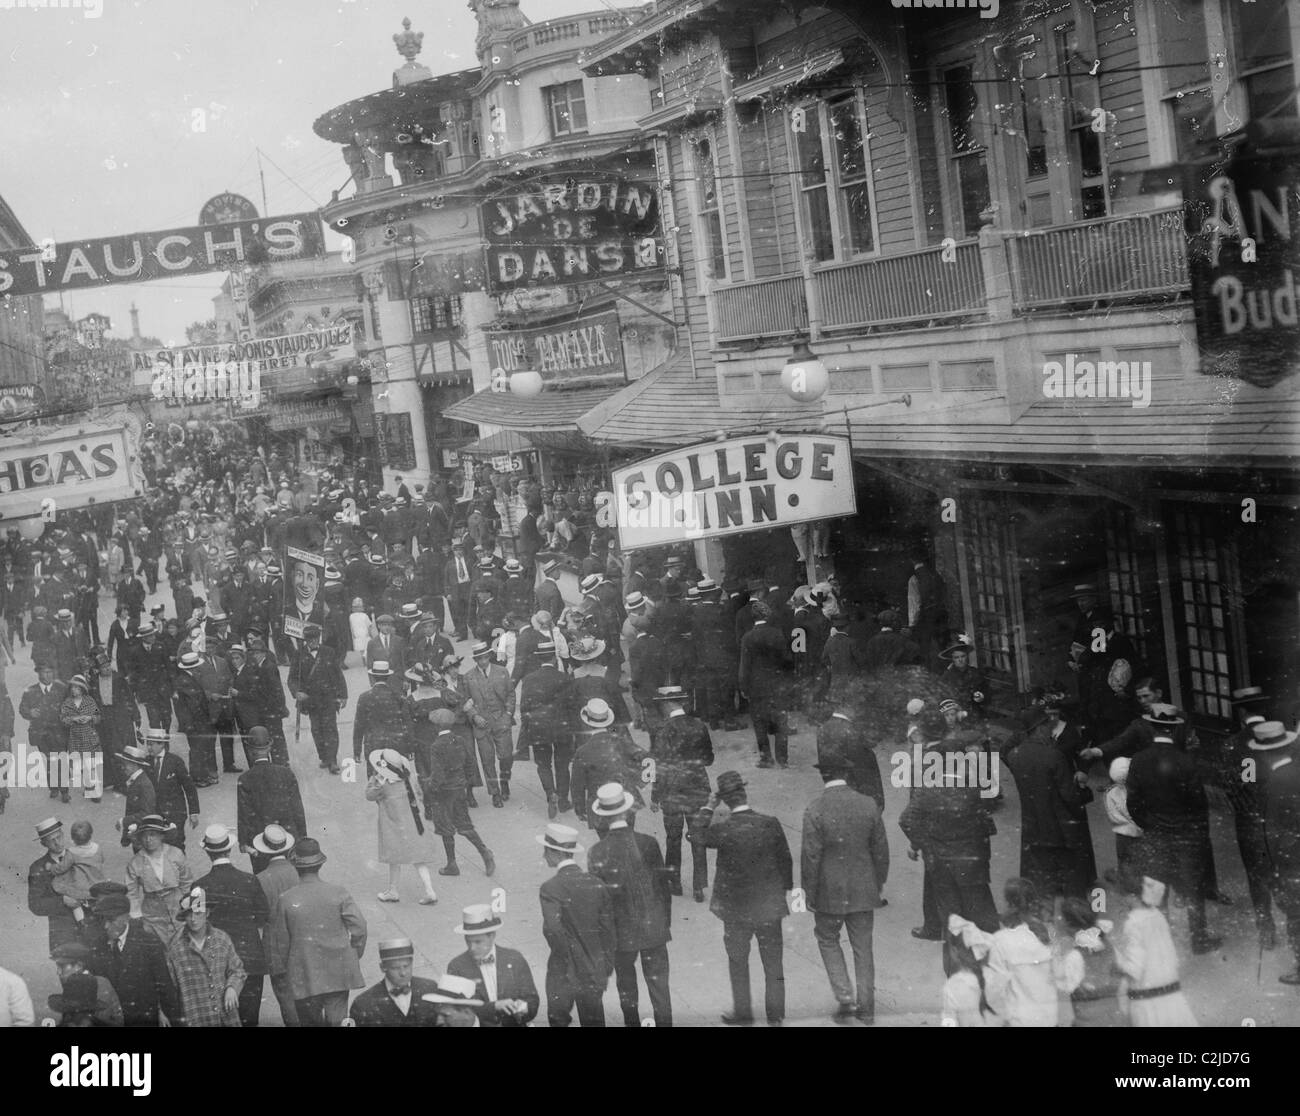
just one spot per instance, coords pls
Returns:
(302, 587)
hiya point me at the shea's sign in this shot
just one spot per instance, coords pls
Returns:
(140, 257)
(73, 466)
(582, 347)
(732, 486)
(574, 227)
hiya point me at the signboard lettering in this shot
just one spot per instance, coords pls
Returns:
(733, 486)
(73, 466)
(584, 347)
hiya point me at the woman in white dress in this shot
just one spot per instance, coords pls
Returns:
(157, 877)
(1018, 974)
(1146, 955)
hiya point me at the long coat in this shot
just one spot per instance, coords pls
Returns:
(139, 975)
(175, 793)
(398, 841)
(843, 739)
(375, 1008)
(267, 794)
(578, 925)
(237, 905)
(766, 666)
(514, 982)
(845, 857)
(683, 752)
(631, 865)
(317, 936)
(159, 899)
(754, 869)
(545, 704)
(602, 757)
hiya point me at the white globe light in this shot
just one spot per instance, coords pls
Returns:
(31, 529)
(353, 381)
(526, 384)
(804, 377)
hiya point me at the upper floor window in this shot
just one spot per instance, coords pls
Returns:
(713, 247)
(967, 152)
(430, 314)
(834, 161)
(566, 108)
(1262, 56)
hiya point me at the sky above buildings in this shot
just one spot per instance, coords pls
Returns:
(101, 137)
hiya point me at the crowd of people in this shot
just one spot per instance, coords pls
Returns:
(614, 691)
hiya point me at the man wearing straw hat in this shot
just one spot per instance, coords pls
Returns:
(140, 796)
(603, 755)
(578, 924)
(316, 938)
(454, 1002)
(1275, 748)
(42, 900)
(632, 867)
(1247, 798)
(492, 695)
(502, 978)
(381, 719)
(237, 906)
(398, 999)
(272, 848)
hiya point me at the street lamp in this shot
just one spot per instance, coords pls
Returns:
(526, 384)
(804, 376)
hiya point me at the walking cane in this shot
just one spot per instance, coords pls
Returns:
(297, 726)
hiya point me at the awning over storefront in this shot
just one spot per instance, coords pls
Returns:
(671, 406)
(551, 411)
(503, 441)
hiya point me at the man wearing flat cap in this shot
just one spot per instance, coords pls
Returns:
(237, 906)
(578, 925)
(753, 879)
(134, 960)
(398, 999)
(503, 980)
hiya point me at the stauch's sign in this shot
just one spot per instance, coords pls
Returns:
(75, 466)
(733, 486)
(574, 226)
(580, 348)
(140, 257)
(1244, 263)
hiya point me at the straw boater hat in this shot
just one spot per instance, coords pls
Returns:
(133, 753)
(157, 735)
(1270, 735)
(47, 828)
(589, 583)
(453, 990)
(380, 669)
(597, 713)
(191, 660)
(478, 919)
(514, 566)
(1249, 695)
(274, 840)
(634, 600)
(612, 800)
(396, 949)
(585, 649)
(670, 693)
(560, 838)
(409, 611)
(481, 649)
(1161, 714)
(546, 647)
(706, 586)
(551, 568)
(216, 838)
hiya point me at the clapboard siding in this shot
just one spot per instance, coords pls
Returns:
(687, 250)
(891, 174)
(1121, 93)
(769, 254)
(814, 35)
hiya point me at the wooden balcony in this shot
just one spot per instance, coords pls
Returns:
(1136, 256)
(763, 308)
(895, 290)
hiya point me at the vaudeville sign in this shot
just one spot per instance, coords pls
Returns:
(732, 486)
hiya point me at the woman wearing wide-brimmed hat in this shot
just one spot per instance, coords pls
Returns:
(391, 787)
(80, 715)
(157, 877)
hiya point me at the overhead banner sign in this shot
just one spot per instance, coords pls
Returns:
(733, 486)
(140, 257)
(1243, 268)
(580, 348)
(301, 415)
(575, 226)
(73, 466)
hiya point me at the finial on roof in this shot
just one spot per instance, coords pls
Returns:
(408, 42)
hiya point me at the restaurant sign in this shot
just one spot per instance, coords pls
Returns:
(574, 227)
(577, 349)
(733, 486)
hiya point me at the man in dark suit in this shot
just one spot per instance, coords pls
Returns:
(841, 738)
(41, 704)
(1275, 750)
(753, 876)
(713, 636)
(387, 647)
(845, 861)
(458, 582)
(266, 794)
(42, 900)
(578, 925)
(545, 701)
(397, 1000)
(766, 666)
(237, 906)
(682, 752)
(149, 674)
(175, 795)
(548, 595)
(381, 719)
(493, 718)
(134, 961)
(317, 684)
(647, 663)
(259, 684)
(505, 982)
(889, 647)
(632, 867)
(141, 798)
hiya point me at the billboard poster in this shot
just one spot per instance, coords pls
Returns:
(304, 578)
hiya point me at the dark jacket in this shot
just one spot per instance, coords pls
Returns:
(149, 672)
(375, 1008)
(549, 598)
(237, 905)
(44, 902)
(754, 867)
(140, 801)
(578, 925)
(46, 730)
(394, 654)
(602, 757)
(545, 706)
(381, 721)
(514, 982)
(647, 663)
(842, 739)
(319, 676)
(1282, 816)
(267, 794)
(889, 648)
(766, 663)
(949, 824)
(682, 750)
(1052, 804)
(139, 975)
(1165, 793)
(174, 792)
(845, 856)
(632, 867)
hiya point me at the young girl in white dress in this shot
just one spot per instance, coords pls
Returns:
(1146, 955)
(1018, 973)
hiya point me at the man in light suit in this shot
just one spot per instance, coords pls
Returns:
(844, 865)
(493, 718)
(272, 846)
(317, 938)
(632, 867)
(397, 1000)
(753, 876)
(503, 980)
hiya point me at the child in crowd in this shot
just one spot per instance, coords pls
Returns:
(362, 629)
(1145, 954)
(1018, 974)
(964, 1003)
(1085, 967)
(81, 865)
(1127, 831)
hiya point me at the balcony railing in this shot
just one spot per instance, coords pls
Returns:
(1115, 257)
(911, 287)
(766, 307)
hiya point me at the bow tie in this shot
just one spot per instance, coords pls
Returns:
(491, 959)
(396, 992)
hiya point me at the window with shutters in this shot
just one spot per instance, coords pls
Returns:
(989, 549)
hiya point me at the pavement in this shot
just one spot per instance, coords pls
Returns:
(1234, 986)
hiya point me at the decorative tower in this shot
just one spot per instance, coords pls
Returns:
(408, 45)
